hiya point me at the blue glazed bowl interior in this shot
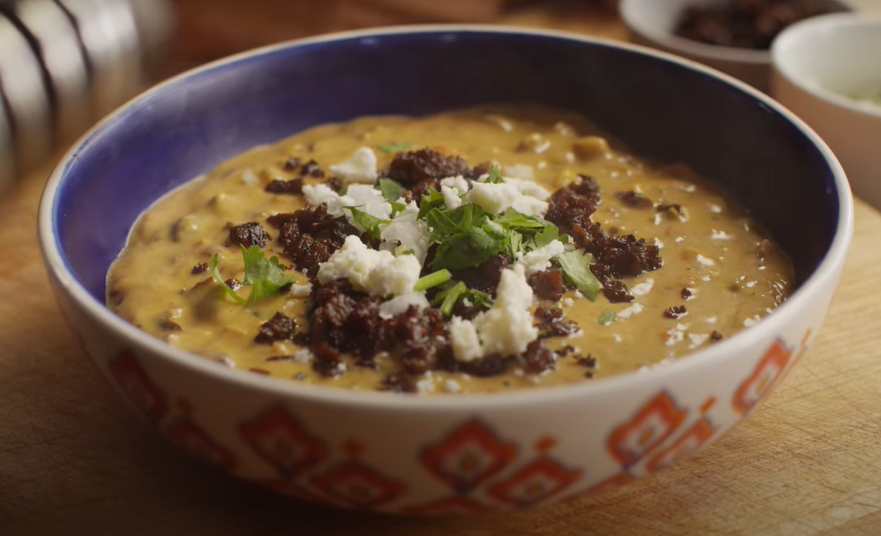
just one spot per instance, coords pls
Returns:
(661, 109)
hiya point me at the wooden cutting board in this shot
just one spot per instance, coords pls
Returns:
(74, 461)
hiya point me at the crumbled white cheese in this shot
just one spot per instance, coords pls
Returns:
(301, 291)
(395, 276)
(527, 187)
(674, 336)
(657, 243)
(506, 328)
(643, 288)
(568, 302)
(714, 208)
(697, 339)
(634, 309)
(304, 355)
(378, 273)
(464, 339)
(458, 182)
(451, 197)
(399, 304)
(710, 320)
(452, 386)
(322, 194)
(519, 171)
(720, 235)
(492, 197)
(578, 295)
(530, 206)
(408, 231)
(705, 261)
(354, 261)
(539, 259)
(367, 199)
(360, 167)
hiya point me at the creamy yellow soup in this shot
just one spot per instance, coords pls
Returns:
(718, 264)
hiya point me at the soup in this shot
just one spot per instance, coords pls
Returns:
(478, 250)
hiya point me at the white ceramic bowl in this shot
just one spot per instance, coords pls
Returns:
(818, 64)
(653, 23)
(446, 454)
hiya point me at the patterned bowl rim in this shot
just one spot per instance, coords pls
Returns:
(824, 276)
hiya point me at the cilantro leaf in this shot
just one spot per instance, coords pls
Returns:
(520, 222)
(449, 297)
(516, 247)
(576, 270)
(397, 207)
(548, 234)
(495, 175)
(266, 276)
(395, 147)
(607, 318)
(466, 249)
(431, 199)
(391, 190)
(215, 273)
(369, 222)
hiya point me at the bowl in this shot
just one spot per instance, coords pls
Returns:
(653, 23)
(818, 64)
(449, 454)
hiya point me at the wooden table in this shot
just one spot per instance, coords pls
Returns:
(74, 461)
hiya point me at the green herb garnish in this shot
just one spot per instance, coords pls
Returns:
(432, 280)
(432, 199)
(607, 318)
(548, 234)
(449, 297)
(576, 270)
(395, 147)
(521, 222)
(391, 190)
(465, 236)
(495, 175)
(368, 222)
(265, 276)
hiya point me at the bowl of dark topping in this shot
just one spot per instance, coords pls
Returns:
(534, 267)
(733, 36)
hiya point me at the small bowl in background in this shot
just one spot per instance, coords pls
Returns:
(653, 23)
(820, 65)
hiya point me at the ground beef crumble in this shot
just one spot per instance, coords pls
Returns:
(310, 236)
(552, 323)
(410, 168)
(676, 312)
(200, 268)
(291, 187)
(549, 284)
(278, 328)
(248, 234)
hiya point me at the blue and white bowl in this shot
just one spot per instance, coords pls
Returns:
(469, 453)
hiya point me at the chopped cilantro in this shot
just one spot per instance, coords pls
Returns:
(265, 276)
(432, 199)
(576, 269)
(465, 236)
(521, 222)
(368, 222)
(395, 147)
(607, 318)
(548, 234)
(448, 298)
(215, 272)
(391, 190)
(432, 280)
(516, 247)
(495, 175)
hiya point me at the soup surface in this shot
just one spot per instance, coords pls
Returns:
(512, 247)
